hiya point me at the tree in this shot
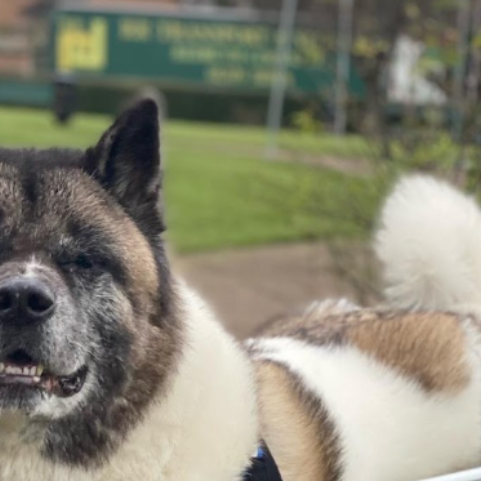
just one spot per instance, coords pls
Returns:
(378, 27)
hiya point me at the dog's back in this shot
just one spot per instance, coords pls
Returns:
(370, 395)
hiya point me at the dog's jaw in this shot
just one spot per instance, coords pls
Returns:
(188, 432)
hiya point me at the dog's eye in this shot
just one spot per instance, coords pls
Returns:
(83, 262)
(80, 262)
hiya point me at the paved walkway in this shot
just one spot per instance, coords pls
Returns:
(248, 287)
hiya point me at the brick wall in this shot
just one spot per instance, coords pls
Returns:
(11, 13)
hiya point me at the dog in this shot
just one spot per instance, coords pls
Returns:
(113, 369)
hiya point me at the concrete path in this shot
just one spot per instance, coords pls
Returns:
(248, 287)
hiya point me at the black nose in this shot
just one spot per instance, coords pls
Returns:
(25, 301)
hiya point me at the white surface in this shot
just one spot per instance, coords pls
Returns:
(471, 475)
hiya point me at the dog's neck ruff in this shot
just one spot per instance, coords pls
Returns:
(263, 467)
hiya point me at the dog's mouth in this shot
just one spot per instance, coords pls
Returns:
(20, 369)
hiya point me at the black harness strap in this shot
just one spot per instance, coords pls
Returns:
(263, 468)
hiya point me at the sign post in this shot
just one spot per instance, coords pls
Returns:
(343, 64)
(464, 30)
(231, 53)
(279, 79)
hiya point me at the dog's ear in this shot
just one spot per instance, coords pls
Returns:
(126, 162)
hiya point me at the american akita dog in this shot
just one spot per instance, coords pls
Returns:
(111, 369)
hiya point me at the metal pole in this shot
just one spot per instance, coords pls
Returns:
(279, 80)
(460, 74)
(344, 42)
(475, 57)
(464, 25)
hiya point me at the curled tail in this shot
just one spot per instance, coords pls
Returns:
(429, 244)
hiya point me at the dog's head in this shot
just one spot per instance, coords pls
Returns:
(88, 331)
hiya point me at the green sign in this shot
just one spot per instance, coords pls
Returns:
(236, 55)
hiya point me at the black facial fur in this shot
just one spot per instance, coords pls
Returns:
(45, 197)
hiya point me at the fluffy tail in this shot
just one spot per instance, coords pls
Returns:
(429, 243)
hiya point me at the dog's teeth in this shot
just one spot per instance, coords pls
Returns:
(36, 379)
(2, 367)
(26, 371)
(14, 370)
(40, 370)
(33, 371)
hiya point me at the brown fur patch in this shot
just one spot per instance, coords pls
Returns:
(296, 427)
(126, 239)
(154, 350)
(428, 347)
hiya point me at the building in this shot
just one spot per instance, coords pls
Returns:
(24, 33)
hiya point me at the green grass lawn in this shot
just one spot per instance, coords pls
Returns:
(220, 192)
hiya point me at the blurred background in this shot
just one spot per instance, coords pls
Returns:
(285, 122)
